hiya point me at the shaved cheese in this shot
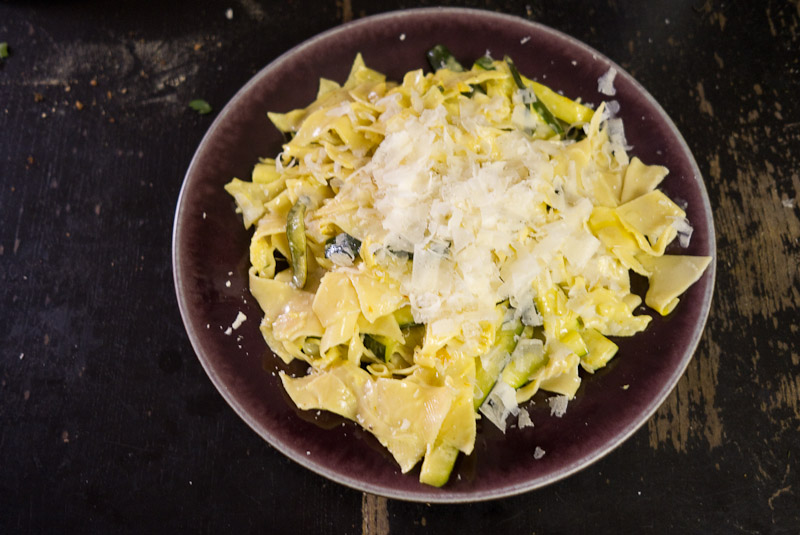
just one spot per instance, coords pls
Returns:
(684, 229)
(237, 322)
(524, 419)
(501, 402)
(605, 84)
(558, 405)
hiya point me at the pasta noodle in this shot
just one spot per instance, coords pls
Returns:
(436, 246)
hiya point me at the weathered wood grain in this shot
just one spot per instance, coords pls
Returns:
(375, 516)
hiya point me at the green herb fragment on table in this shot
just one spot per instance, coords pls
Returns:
(4, 50)
(200, 106)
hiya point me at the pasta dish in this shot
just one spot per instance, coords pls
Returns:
(440, 249)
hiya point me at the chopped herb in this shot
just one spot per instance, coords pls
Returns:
(200, 106)
(485, 62)
(441, 58)
(3, 50)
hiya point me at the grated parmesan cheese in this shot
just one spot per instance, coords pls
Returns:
(558, 405)
(524, 419)
(501, 402)
(458, 208)
(684, 229)
(605, 84)
(237, 322)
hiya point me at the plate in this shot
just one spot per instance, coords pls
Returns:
(210, 261)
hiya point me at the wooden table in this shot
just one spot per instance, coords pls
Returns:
(108, 422)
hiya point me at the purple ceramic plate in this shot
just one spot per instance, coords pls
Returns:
(210, 261)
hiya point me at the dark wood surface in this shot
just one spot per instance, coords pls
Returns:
(108, 422)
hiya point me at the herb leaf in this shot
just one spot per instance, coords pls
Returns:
(485, 62)
(3, 50)
(200, 106)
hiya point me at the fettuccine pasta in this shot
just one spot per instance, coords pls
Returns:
(445, 247)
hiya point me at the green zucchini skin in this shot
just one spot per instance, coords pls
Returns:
(536, 105)
(296, 235)
(441, 58)
(489, 367)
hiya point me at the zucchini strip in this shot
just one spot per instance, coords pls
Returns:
(296, 235)
(485, 62)
(441, 58)
(536, 105)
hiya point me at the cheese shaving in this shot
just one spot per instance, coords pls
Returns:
(524, 419)
(501, 403)
(558, 405)
(605, 84)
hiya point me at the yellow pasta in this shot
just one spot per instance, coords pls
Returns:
(465, 239)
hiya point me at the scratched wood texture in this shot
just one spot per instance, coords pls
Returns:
(107, 421)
